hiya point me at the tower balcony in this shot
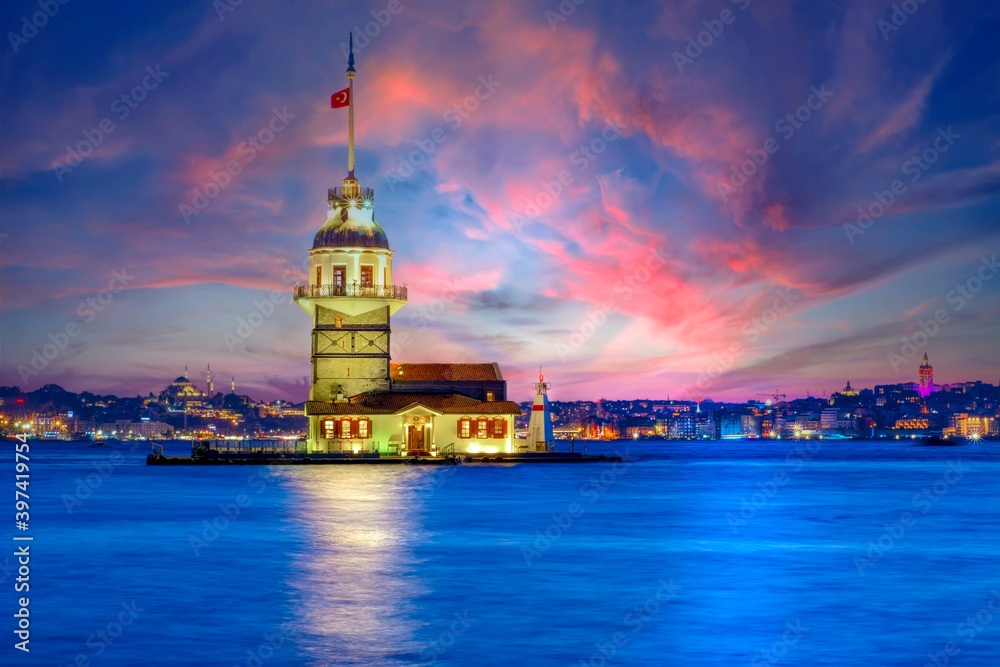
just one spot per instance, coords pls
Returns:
(396, 292)
(352, 299)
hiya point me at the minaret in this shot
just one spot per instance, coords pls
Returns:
(208, 381)
(350, 295)
(232, 386)
(540, 436)
(185, 372)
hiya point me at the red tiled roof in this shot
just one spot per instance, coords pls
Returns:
(392, 402)
(445, 372)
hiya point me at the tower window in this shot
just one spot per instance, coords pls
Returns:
(319, 275)
(339, 275)
(366, 275)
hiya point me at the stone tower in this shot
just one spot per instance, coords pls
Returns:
(350, 295)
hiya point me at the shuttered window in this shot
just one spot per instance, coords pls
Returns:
(483, 430)
(498, 427)
(465, 427)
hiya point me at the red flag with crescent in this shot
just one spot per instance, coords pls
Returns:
(341, 99)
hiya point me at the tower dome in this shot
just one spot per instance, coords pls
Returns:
(350, 221)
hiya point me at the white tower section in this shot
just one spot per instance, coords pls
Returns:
(540, 437)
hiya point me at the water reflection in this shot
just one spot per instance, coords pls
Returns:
(357, 581)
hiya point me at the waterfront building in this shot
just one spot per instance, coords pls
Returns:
(358, 399)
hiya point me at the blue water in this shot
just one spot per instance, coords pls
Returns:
(406, 565)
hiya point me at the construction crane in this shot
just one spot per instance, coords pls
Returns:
(776, 396)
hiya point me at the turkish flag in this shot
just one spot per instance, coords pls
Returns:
(341, 99)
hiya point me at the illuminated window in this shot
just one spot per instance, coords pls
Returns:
(465, 427)
(366, 276)
(328, 427)
(339, 275)
(489, 396)
(362, 428)
(345, 428)
(499, 427)
(483, 430)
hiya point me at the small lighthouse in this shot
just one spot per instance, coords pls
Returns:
(540, 437)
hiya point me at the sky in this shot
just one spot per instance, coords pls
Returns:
(645, 199)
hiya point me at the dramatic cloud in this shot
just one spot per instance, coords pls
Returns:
(624, 197)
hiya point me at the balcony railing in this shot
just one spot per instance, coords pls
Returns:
(350, 192)
(361, 291)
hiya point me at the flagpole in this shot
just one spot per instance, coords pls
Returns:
(350, 123)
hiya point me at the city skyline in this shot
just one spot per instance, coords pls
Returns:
(555, 199)
(918, 382)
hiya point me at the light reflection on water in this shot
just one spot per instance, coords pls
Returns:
(371, 564)
(358, 575)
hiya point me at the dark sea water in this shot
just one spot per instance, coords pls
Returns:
(659, 562)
